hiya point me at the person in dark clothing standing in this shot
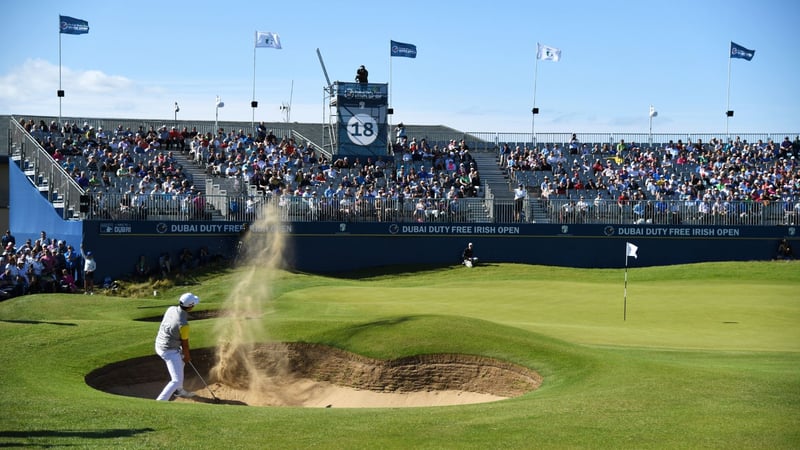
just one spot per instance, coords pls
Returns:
(362, 74)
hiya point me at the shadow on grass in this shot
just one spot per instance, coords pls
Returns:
(384, 271)
(40, 322)
(159, 306)
(217, 401)
(194, 315)
(86, 434)
(349, 332)
(400, 270)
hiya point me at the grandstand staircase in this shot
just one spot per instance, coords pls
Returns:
(492, 175)
(39, 180)
(502, 187)
(196, 173)
(493, 179)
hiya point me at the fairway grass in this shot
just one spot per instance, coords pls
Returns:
(707, 357)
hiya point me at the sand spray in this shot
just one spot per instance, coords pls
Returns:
(241, 323)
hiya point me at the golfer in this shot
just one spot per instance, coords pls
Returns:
(172, 345)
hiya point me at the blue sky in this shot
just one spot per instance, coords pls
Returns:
(474, 70)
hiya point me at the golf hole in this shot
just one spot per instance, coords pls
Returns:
(313, 375)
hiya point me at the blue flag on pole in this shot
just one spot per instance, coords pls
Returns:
(403, 50)
(71, 25)
(737, 51)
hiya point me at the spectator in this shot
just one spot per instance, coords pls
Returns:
(89, 267)
(142, 269)
(9, 238)
(82, 180)
(519, 201)
(186, 261)
(165, 264)
(468, 257)
(785, 250)
(574, 144)
(67, 282)
(400, 131)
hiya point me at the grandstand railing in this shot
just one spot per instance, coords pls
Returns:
(115, 206)
(670, 212)
(292, 208)
(44, 172)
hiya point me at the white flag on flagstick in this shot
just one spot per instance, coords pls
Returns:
(547, 53)
(267, 39)
(630, 250)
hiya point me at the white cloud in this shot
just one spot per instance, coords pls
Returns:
(31, 89)
(96, 82)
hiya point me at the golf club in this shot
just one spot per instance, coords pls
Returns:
(216, 400)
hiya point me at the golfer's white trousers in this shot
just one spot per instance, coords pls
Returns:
(174, 360)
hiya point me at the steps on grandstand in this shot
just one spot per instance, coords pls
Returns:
(538, 210)
(492, 175)
(197, 174)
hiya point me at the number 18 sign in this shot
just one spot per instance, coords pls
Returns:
(362, 129)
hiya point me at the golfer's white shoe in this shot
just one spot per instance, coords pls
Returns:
(184, 393)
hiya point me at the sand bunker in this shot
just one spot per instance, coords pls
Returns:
(312, 375)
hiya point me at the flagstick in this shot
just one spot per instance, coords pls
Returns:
(625, 291)
(728, 108)
(533, 114)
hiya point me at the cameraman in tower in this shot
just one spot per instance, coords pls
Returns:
(362, 74)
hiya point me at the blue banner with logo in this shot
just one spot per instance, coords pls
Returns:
(737, 51)
(403, 50)
(71, 25)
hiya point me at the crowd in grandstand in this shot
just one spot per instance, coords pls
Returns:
(425, 182)
(716, 181)
(719, 181)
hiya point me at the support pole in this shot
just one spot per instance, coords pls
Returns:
(60, 91)
(253, 102)
(533, 111)
(728, 107)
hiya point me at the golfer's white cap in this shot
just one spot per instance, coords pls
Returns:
(188, 299)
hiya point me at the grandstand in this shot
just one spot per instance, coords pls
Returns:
(114, 179)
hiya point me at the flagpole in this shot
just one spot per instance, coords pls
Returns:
(625, 291)
(389, 116)
(252, 104)
(533, 111)
(728, 107)
(59, 72)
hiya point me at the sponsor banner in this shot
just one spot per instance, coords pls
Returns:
(154, 228)
(540, 230)
(360, 94)
(445, 229)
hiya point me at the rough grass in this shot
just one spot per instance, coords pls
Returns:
(707, 358)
